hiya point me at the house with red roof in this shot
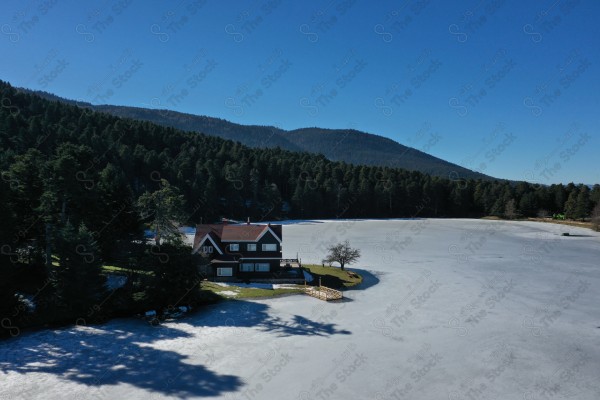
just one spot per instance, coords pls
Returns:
(244, 252)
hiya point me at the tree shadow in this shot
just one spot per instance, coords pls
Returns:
(576, 235)
(335, 282)
(238, 314)
(368, 279)
(108, 355)
(127, 351)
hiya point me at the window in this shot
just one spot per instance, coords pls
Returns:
(262, 267)
(269, 247)
(247, 267)
(251, 247)
(207, 249)
(234, 247)
(224, 271)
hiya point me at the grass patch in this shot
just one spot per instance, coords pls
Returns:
(580, 224)
(113, 269)
(250, 293)
(235, 292)
(333, 277)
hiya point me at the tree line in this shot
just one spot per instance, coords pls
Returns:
(79, 187)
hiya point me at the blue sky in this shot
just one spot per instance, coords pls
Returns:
(509, 88)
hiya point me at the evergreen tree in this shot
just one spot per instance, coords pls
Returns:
(270, 202)
(72, 178)
(560, 197)
(298, 199)
(596, 217)
(570, 206)
(528, 204)
(117, 220)
(163, 209)
(211, 208)
(77, 277)
(583, 205)
(595, 194)
(175, 279)
(10, 306)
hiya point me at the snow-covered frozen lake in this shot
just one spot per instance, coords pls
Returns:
(450, 309)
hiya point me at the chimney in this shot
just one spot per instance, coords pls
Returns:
(248, 221)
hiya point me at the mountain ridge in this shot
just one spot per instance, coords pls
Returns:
(347, 145)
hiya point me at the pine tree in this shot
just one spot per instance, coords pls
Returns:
(175, 279)
(72, 178)
(560, 197)
(211, 206)
(583, 205)
(571, 205)
(117, 219)
(77, 278)
(528, 204)
(163, 209)
(10, 306)
(270, 202)
(298, 199)
(595, 194)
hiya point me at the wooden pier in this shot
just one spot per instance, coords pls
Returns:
(323, 293)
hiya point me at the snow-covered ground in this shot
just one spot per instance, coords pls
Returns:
(450, 309)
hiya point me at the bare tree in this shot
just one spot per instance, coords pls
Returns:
(510, 209)
(342, 253)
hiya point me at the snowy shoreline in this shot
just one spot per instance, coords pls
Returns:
(462, 308)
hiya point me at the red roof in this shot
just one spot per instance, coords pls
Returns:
(204, 229)
(232, 233)
(242, 232)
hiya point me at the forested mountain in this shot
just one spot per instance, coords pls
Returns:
(362, 148)
(346, 145)
(248, 135)
(79, 186)
(123, 158)
(62, 162)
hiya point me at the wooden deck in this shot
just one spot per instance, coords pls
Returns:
(323, 293)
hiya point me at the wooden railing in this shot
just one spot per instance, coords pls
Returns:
(323, 293)
(290, 262)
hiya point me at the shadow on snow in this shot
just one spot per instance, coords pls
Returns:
(111, 354)
(122, 351)
(369, 278)
(238, 314)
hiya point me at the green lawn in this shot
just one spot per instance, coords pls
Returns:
(121, 270)
(234, 292)
(333, 277)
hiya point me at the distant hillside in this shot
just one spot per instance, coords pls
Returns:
(249, 135)
(346, 145)
(367, 149)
